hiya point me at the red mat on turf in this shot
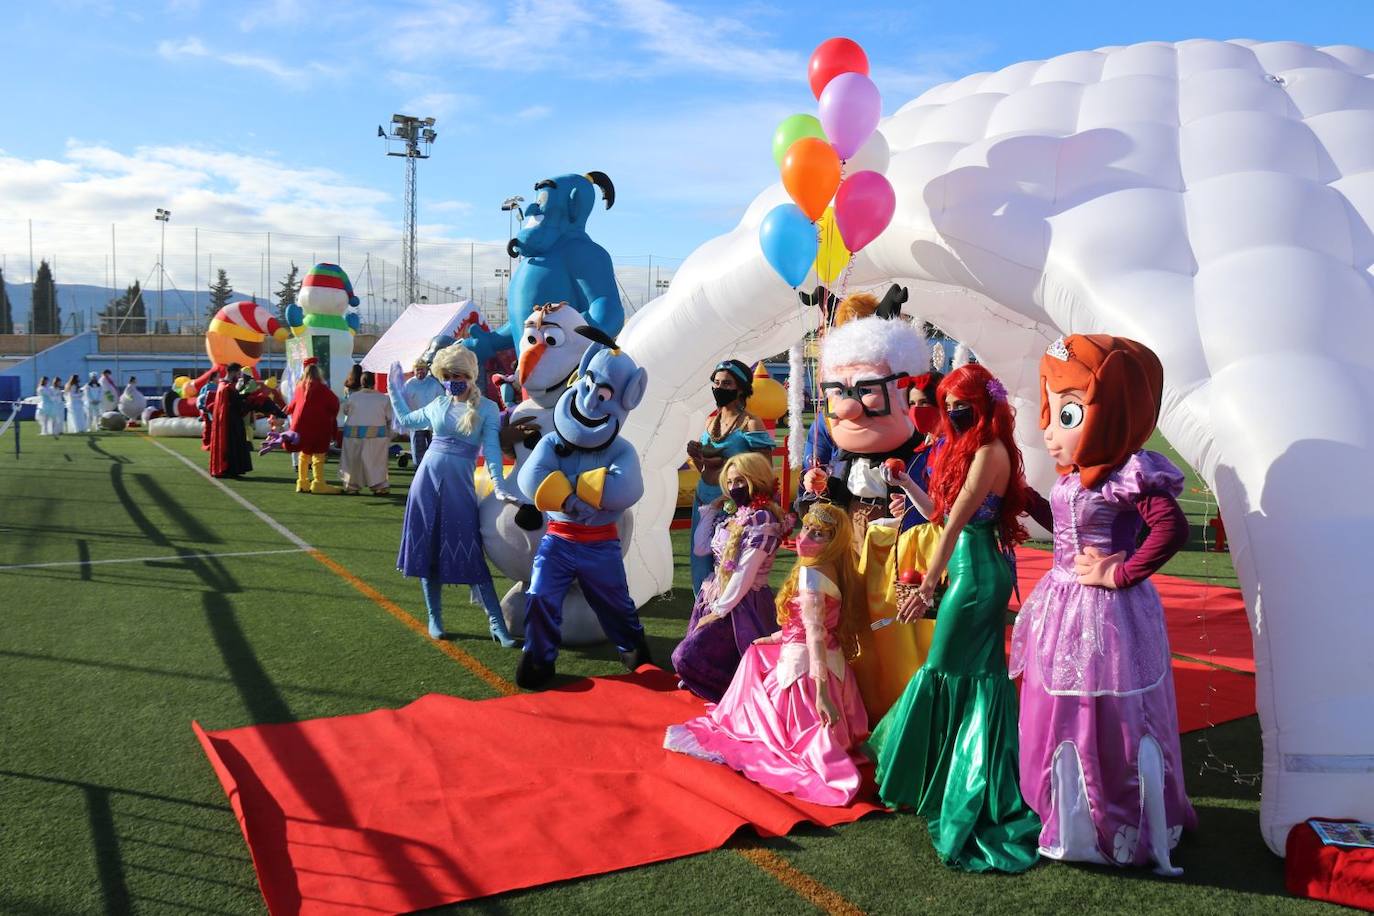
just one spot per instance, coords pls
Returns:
(448, 799)
(1205, 622)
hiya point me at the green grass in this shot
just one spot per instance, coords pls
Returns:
(107, 804)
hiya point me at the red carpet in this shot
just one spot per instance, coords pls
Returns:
(448, 799)
(1206, 623)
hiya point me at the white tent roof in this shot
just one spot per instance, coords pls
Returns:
(410, 334)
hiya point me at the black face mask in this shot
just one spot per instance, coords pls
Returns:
(962, 419)
(740, 495)
(724, 396)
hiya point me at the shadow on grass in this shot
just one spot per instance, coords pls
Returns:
(190, 525)
(209, 570)
(91, 444)
(109, 860)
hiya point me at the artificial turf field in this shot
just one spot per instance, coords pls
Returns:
(108, 805)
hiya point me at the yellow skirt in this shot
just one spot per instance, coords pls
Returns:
(890, 656)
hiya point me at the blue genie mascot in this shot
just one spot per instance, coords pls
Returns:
(560, 262)
(585, 477)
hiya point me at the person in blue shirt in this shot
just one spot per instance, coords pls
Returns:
(440, 538)
(731, 431)
(585, 476)
(419, 390)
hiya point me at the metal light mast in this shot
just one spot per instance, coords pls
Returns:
(415, 136)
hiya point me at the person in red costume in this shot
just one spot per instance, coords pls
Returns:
(314, 420)
(230, 453)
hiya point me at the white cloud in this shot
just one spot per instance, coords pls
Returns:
(530, 35)
(678, 39)
(273, 13)
(437, 104)
(226, 204)
(459, 207)
(533, 113)
(194, 47)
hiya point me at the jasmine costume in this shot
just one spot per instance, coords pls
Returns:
(948, 747)
(585, 477)
(440, 539)
(729, 444)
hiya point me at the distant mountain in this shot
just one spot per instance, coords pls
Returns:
(88, 301)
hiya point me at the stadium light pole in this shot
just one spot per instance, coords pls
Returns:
(416, 136)
(512, 207)
(162, 216)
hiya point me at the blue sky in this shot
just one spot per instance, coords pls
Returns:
(257, 117)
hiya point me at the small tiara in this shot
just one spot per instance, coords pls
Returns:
(1059, 350)
(825, 521)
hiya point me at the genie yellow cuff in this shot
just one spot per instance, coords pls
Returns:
(553, 492)
(590, 486)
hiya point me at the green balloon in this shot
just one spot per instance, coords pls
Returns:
(793, 129)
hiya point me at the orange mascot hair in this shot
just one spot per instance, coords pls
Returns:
(1123, 385)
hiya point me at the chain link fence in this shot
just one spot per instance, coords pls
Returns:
(94, 263)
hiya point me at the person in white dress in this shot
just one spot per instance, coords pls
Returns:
(94, 397)
(78, 413)
(50, 410)
(366, 437)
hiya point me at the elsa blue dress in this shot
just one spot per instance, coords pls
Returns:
(441, 540)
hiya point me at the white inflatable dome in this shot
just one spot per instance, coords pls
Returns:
(1211, 199)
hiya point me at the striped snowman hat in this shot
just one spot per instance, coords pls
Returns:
(246, 321)
(330, 276)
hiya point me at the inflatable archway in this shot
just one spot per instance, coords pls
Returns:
(1211, 199)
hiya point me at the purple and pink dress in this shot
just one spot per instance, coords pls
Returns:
(767, 725)
(1100, 757)
(706, 659)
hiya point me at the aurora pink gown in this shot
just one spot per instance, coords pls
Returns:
(767, 726)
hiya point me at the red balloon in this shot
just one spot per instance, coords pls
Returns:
(833, 57)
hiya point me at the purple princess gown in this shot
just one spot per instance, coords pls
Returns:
(706, 659)
(1100, 758)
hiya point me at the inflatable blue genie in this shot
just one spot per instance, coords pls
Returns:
(560, 262)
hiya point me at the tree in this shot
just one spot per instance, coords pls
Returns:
(288, 291)
(44, 314)
(220, 293)
(163, 328)
(6, 313)
(127, 314)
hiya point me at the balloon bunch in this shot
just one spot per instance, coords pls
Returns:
(839, 156)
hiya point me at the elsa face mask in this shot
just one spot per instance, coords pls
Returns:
(457, 387)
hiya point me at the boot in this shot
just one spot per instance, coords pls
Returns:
(499, 633)
(302, 473)
(532, 675)
(436, 625)
(318, 485)
(638, 655)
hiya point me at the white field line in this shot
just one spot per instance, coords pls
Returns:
(267, 519)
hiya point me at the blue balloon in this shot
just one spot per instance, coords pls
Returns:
(789, 242)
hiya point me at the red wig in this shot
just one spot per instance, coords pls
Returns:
(994, 422)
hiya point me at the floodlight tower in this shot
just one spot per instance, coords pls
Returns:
(162, 216)
(415, 136)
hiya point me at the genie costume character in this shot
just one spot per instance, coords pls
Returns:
(585, 477)
(561, 263)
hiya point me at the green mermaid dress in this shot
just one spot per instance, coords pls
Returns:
(948, 747)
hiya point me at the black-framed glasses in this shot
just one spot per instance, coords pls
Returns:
(872, 394)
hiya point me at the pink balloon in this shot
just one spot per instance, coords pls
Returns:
(863, 207)
(850, 108)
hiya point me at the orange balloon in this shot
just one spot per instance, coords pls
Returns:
(811, 175)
